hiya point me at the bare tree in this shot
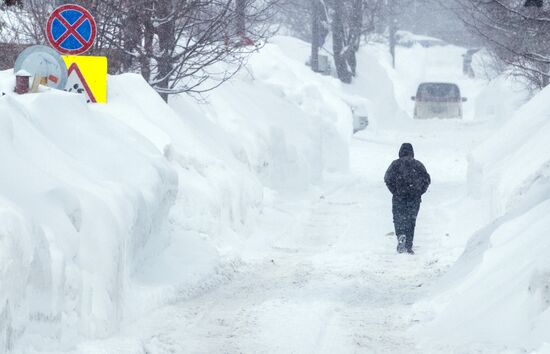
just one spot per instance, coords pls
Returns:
(518, 36)
(348, 20)
(27, 26)
(354, 34)
(339, 44)
(240, 17)
(347, 26)
(291, 14)
(187, 46)
(373, 16)
(182, 42)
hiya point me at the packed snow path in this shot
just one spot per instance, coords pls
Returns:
(322, 274)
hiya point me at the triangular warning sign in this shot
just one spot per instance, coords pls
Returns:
(77, 84)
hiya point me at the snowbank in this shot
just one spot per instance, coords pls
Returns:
(80, 194)
(500, 99)
(107, 211)
(96, 227)
(512, 165)
(218, 197)
(376, 80)
(288, 123)
(498, 291)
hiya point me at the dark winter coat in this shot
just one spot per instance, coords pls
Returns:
(406, 177)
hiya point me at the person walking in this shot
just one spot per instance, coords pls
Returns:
(407, 180)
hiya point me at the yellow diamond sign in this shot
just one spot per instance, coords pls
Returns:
(90, 76)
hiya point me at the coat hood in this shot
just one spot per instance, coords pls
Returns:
(406, 151)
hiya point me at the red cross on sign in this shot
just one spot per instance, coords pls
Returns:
(71, 29)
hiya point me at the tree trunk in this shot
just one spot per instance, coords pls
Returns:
(240, 11)
(339, 45)
(148, 35)
(356, 26)
(315, 34)
(166, 43)
(131, 35)
(392, 39)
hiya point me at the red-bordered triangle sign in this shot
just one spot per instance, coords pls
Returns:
(77, 83)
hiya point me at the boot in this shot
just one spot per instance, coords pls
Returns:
(401, 240)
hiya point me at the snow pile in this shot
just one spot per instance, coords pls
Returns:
(409, 39)
(512, 165)
(376, 80)
(499, 290)
(217, 186)
(80, 194)
(500, 99)
(218, 197)
(289, 123)
(91, 233)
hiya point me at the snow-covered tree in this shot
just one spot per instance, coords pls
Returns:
(347, 20)
(346, 32)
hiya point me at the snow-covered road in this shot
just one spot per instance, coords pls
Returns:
(321, 274)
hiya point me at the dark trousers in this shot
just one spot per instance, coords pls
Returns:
(405, 211)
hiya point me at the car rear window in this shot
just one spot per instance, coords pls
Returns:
(438, 92)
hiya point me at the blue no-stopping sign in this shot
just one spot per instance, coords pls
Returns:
(71, 29)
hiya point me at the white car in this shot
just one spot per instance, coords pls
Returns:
(360, 117)
(438, 100)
